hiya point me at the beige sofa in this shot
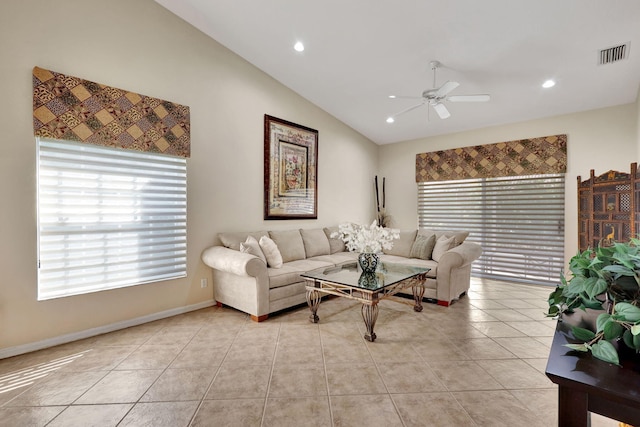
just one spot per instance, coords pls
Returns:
(243, 279)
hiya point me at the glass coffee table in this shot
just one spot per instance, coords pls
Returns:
(368, 288)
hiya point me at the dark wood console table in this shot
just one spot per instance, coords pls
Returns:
(587, 384)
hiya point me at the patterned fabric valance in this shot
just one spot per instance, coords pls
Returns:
(74, 109)
(533, 156)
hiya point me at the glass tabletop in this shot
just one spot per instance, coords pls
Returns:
(387, 274)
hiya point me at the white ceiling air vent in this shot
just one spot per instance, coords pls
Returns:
(613, 54)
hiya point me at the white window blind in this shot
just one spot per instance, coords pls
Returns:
(518, 221)
(108, 218)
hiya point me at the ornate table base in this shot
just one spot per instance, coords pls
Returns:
(369, 299)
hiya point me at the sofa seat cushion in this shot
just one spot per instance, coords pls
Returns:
(416, 262)
(290, 272)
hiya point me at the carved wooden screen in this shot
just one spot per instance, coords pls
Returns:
(608, 208)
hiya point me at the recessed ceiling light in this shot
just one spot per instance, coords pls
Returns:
(390, 120)
(298, 46)
(548, 84)
(392, 96)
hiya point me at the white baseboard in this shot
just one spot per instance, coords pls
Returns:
(63, 339)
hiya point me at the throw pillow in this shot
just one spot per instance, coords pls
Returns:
(335, 244)
(251, 246)
(423, 247)
(271, 252)
(443, 244)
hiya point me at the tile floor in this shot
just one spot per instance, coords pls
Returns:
(479, 362)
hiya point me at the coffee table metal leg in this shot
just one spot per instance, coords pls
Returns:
(370, 315)
(313, 300)
(418, 293)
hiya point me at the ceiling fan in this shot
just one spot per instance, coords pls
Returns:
(435, 97)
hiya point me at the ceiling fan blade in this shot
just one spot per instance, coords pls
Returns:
(441, 110)
(446, 88)
(404, 97)
(408, 109)
(469, 98)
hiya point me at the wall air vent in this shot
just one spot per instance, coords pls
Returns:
(613, 54)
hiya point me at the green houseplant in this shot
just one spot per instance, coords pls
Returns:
(606, 279)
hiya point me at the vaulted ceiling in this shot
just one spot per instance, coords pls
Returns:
(358, 52)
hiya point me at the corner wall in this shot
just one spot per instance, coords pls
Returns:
(602, 140)
(142, 47)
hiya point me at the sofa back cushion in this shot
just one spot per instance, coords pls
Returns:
(335, 243)
(233, 240)
(315, 242)
(402, 246)
(251, 246)
(289, 244)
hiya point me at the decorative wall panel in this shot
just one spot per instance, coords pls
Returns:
(70, 108)
(533, 156)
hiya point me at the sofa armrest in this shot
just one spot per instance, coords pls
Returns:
(460, 256)
(234, 262)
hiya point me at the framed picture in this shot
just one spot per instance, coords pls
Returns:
(290, 170)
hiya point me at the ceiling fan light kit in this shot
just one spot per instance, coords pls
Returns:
(436, 96)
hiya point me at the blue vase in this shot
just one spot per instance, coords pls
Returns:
(368, 262)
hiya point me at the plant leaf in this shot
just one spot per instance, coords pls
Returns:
(602, 320)
(612, 330)
(630, 312)
(635, 329)
(582, 334)
(604, 350)
(627, 337)
(594, 286)
(577, 347)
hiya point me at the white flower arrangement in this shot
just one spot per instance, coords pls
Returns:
(363, 239)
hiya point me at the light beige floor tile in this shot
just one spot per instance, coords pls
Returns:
(194, 356)
(487, 304)
(180, 384)
(160, 414)
(238, 381)
(514, 303)
(60, 388)
(387, 352)
(515, 374)
(464, 375)
(298, 353)
(173, 335)
(507, 315)
(542, 402)
(540, 364)
(251, 353)
(409, 378)
(534, 329)
(431, 409)
(353, 378)
(28, 416)
(100, 359)
(298, 380)
(309, 411)
(343, 350)
(497, 409)
(368, 410)
(524, 347)
(440, 349)
(120, 387)
(483, 348)
(236, 412)
(151, 357)
(497, 329)
(91, 416)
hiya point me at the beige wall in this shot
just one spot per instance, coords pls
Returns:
(139, 46)
(602, 140)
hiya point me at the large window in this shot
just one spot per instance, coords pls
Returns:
(519, 221)
(108, 218)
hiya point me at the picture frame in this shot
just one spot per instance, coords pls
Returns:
(290, 170)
